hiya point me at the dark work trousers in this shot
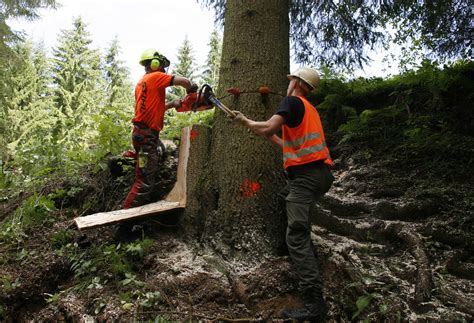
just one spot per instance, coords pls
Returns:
(145, 142)
(306, 183)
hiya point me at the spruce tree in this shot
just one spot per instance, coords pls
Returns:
(8, 10)
(118, 86)
(185, 66)
(78, 89)
(17, 9)
(211, 69)
(113, 124)
(30, 110)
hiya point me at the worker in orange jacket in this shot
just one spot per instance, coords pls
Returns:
(307, 162)
(150, 108)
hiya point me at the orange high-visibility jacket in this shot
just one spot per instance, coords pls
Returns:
(306, 142)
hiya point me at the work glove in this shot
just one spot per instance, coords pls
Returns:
(193, 89)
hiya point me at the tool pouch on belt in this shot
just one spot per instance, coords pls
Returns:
(142, 159)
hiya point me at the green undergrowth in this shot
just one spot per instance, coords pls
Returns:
(110, 266)
(422, 118)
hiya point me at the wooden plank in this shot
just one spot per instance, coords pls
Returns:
(99, 219)
(176, 199)
(178, 193)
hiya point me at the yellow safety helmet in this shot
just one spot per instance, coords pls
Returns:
(307, 74)
(156, 59)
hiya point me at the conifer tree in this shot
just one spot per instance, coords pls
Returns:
(185, 66)
(17, 9)
(113, 124)
(211, 69)
(118, 86)
(30, 115)
(78, 88)
(9, 37)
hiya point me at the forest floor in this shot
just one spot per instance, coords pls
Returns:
(395, 244)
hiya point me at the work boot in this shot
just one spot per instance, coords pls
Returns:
(313, 312)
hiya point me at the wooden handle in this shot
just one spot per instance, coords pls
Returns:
(221, 106)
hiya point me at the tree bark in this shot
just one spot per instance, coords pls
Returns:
(238, 204)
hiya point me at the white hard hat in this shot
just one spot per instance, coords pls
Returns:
(307, 74)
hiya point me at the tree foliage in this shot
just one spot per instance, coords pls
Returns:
(210, 74)
(17, 9)
(10, 9)
(78, 88)
(340, 33)
(185, 66)
(113, 123)
(28, 114)
(71, 109)
(64, 111)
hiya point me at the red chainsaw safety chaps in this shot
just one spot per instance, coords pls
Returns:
(145, 142)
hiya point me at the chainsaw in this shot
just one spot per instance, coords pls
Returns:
(207, 97)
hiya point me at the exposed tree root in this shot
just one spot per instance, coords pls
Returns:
(456, 266)
(453, 238)
(415, 245)
(451, 297)
(394, 232)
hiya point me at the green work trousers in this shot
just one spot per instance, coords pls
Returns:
(306, 183)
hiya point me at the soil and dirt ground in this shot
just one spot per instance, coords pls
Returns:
(395, 244)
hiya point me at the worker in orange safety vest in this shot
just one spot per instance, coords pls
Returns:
(307, 162)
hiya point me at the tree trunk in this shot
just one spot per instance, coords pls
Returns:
(238, 213)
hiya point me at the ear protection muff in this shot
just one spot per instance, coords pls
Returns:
(155, 64)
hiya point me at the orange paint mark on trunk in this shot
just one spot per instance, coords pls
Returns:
(234, 91)
(249, 188)
(193, 134)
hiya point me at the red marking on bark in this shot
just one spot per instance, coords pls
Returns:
(249, 188)
(234, 90)
(193, 134)
(264, 90)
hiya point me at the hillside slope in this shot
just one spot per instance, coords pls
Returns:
(394, 235)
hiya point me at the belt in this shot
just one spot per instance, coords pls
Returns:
(314, 164)
(143, 126)
(297, 169)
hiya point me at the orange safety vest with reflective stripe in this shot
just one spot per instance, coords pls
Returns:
(305, 143)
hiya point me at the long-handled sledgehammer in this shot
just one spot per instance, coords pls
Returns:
(206, 95)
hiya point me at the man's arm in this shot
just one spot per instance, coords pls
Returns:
(182, 81)
(264, 128)
(276, 141)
